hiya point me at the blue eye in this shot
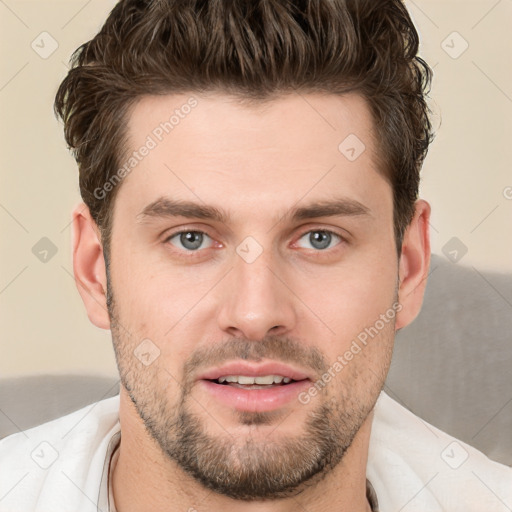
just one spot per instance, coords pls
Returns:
(320, 239)
(193, 241)
(190, 240)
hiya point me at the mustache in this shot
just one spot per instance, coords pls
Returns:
(277, 348)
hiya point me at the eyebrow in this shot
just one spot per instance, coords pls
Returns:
(165, 207)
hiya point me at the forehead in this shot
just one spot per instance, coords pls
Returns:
(212, 148)
(223, 119)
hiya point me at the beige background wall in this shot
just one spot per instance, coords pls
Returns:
(467, 176)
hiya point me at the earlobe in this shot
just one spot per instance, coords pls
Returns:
(414, 265)
(89, 266)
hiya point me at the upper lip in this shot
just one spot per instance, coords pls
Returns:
(253, 370)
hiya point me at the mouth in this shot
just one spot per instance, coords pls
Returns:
(259, 382)
(258, 388)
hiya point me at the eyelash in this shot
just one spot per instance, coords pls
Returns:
(192, 254)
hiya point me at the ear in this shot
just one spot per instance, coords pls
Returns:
(414, 265)
(89, 266)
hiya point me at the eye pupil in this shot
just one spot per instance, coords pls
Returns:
(320, 239)
(191, 239)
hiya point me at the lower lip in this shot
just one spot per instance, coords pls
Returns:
(255, 400)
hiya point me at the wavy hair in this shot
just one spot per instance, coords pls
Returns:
(256, 51)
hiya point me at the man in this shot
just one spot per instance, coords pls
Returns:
(250, 175)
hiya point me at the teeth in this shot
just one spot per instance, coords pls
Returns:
(241, 379)
(263, 379)
(267, 379)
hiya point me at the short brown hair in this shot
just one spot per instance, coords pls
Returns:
(255, 50)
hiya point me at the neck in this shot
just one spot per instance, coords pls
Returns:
(145, 479)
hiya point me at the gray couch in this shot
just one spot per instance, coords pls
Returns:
(452, 366)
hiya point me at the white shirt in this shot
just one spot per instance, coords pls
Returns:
(63, 465)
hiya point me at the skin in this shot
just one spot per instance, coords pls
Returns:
(295, 303)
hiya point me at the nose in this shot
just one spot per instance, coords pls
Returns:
(257, 300)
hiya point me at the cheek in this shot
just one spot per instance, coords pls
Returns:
(358, 368)
(354, 299)
(157, 310)
(149, 296)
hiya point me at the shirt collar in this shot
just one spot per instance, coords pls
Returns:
(105, 498)
(371, 496)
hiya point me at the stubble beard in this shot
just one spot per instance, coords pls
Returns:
(257, 467)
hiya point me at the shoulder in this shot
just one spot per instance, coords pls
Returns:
(66, 455)
(415, 466)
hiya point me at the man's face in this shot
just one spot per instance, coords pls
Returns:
(258, 286)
